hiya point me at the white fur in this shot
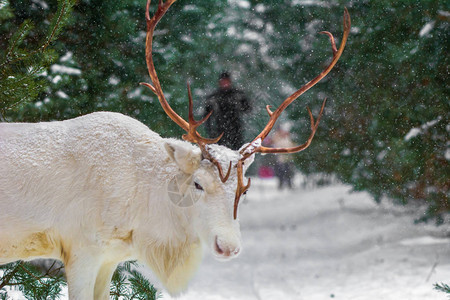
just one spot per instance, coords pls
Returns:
(91, 192)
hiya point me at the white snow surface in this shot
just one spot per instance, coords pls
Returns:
(325, 243)
(413, 132)
(64, 70)
(427, 29)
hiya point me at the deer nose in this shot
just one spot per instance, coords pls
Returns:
(224, 249)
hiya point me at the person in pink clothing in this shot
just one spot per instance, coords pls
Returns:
(284, 168)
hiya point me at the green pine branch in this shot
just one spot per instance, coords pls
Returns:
(16, 39)
(129, 284)
(21, 68)
(442, 287)
(56, 25)
(31, 281)
(126, 284)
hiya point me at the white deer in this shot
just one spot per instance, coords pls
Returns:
(93, 191)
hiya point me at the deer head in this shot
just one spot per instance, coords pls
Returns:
(240, 160)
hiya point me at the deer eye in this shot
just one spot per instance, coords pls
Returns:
(198, 186)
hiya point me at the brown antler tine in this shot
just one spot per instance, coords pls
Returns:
(149, 86)
(191, 106)
(147, 10)
(236, 204)
(219, 168)
(314, 126)
(193, 135)
(268, 110)
(347, 20)
(213, 140)
(156, 87)
(191, 110)
(241, 188)
(191, 126)
(333, 43)
(224, 179)
(321, 112)
(207, 155)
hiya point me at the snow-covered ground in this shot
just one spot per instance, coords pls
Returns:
(325, 243)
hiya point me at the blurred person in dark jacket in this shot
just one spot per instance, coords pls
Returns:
(228, 105)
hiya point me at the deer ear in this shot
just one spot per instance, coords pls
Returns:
(186, 156)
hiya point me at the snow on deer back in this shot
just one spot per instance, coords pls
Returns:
(94, 191)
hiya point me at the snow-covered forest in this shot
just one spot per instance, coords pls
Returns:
(384, 134)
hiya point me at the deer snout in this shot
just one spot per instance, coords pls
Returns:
(226, 249)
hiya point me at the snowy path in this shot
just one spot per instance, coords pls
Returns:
(326, 243)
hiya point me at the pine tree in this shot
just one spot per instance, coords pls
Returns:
(385, 125)
(27, 56)
(390, 83)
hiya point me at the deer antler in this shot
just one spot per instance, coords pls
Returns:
(275, 114)
(241, 188)
(192, 133)
(190, 127)
(255, 146)
(250, 148)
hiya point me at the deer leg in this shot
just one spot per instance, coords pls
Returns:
(81, 273)
(103, 281)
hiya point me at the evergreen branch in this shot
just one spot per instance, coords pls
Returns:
(63, 11)
(442, 287)
(18, 37)
(141, 285)
(33, 285)
(38, 278)
(6, 278)
(23, 81)
(130, 284)
(55, 27)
